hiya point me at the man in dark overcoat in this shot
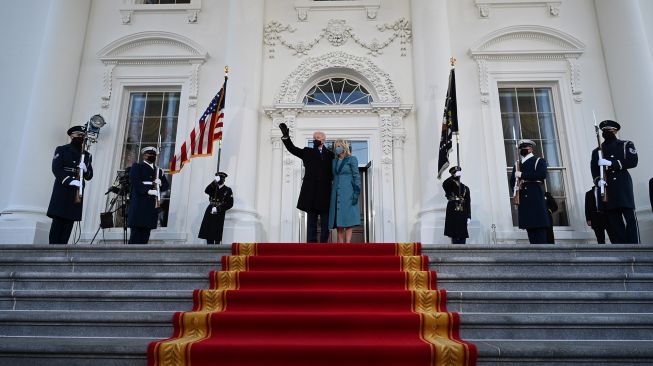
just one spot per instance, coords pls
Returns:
(532, 210)
(221, 198)
(144, 179)
(617, 156)
(315, 193)
(459, 212)
(65, 208)
(595, 215)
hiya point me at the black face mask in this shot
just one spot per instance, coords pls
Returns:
(608, 135)
(221, 181)
(523, 152)
(317, 143)
(77, 142)
(151, 159)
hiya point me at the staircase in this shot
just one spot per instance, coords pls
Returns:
(520, 304)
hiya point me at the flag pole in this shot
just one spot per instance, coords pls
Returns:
(457, 133)
(226, 76)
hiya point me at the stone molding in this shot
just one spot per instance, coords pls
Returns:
(528, 43)
(337, 33)
(485, 6)
(131, 7)
(151, 48)
(304, 7)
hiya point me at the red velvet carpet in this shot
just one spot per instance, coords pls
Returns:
(318, 305)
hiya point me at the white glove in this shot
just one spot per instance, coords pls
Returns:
(601, 183)
(83, 167)
(604, 162)
(468, 221)
(157, 181)
(458, 174)
(217, 179)
(518, 174)
(75, 183)
(152, 192)
(214, 210)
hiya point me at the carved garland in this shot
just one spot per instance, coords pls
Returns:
(337, 33)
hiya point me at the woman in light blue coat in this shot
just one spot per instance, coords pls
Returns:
(344, 213)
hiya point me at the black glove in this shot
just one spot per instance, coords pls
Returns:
(285, 131)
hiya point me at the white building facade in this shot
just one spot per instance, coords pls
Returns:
(373, 72)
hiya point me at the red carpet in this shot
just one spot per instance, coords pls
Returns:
(318, 305)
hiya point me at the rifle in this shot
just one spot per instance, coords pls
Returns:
(157, 203)
(517, 187)
(602, 170)
(80, 174)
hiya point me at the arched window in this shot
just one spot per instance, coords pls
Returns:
(337, 91)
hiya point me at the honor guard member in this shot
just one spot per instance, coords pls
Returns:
(315, 193)
(459, 212)
(221, 198)
(147, 182)
(618, 157)
(532, 209)
(595, 215)
(65, 207)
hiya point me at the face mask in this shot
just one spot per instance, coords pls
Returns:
(317, 143)
(151, 159)
(608, 135)
(77, 142)
(221, 181)
(523, 152)
(339, 150)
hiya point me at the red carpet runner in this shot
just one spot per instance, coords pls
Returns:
(318, 305)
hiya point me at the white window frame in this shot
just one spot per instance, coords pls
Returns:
(132, 7)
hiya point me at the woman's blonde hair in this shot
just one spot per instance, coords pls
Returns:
(345, 146)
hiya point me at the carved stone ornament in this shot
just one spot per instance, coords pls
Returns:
(337, 32)
(483, 6)
(520, 43)
(131, 7)
(152, 48)
(292, 88)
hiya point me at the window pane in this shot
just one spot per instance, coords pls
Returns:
(555, 183)
(511, 128)
(134, 129)
(551, 153)
(547, 127)
(151, 127)
(137, 105)
(154, 105)
(337, 91)
(130, 155)
(511, 154)
(526, 100)
(529, 125)
(168, 129)
(508, 100)
(560, 217)
(170, 104)
(543, 99)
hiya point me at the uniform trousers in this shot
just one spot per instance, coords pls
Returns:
(139, 235)
(624, 233)
(311, 230)
(537, 235)
(458, 240)
(60, 230)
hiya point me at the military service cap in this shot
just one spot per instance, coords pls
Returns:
(151, 149)
(609, 125)
(75, 129)
(526, 143)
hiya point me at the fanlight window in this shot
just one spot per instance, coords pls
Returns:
(337, 91)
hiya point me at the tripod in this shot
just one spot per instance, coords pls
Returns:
(121, 188)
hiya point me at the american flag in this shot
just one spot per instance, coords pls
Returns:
(209, 129)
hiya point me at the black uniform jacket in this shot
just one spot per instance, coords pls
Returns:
(623, 156)
(222, 198)
(315, 192)
(142, 210)
(594, 209)
(65, 166)
(455, 224)
(532, 205)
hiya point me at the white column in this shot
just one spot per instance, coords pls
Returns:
(387, 209)
(629, 62)
(431, 53)
(240, 148)
(276, 181)
(398, 139)
(23, 220)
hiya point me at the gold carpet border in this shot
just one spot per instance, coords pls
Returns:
(246, 249)
(226, 280)
(418, 280)
(437, 330)
(412, 263)
(407, 249)
(237, 263)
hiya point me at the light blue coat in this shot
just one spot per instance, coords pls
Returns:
(344, 211)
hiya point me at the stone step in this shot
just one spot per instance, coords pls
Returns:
(559, 326)
(102, 281)
(47, 323)
(93, 265)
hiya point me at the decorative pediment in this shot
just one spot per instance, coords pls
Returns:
(153, 47)
(534, 41)
(293, 88)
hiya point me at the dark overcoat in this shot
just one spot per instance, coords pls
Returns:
(222, 198)
(65, 166)
(595, 210)
(142, 210)
(455, 223)
(314, 195)
(623, 156)
(532, 209)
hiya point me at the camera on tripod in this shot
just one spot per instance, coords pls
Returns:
(120, 188)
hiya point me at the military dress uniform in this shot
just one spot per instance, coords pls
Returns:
(143, 214)
(315, 192)
(221, 198)
(596, 216)
(458, 209)
(63, 210)
(619, 185)
(532, 209)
